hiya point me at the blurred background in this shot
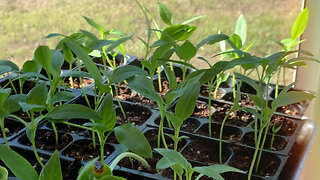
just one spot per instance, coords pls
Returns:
(25, 23)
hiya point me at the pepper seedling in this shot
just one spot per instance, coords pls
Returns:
(174, 160)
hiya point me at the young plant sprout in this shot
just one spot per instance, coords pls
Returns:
(274, 131)
(174, 160)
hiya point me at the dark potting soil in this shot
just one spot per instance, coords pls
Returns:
(45, 140)
(189, 125)
(237, 176)
(204, 91)
(229, 133)
(201, 109)
(288, 126)
(278, 144)
(289, 109)
(164, 85)
(152, 137)
(127, 94)
(137, 115)
(11, 127)
(111, 139)
(129, 176)
(84, 150)
(24, 115)
(244, 101)
(69, 129)
(241, 118)
(268, 166)
(206, 152)
(76, 82)
(70, 169)
(136, 165)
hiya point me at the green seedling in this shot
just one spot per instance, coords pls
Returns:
(5, 68)
(174, 160)
(3, 173)
(274, 132)
(22, 169)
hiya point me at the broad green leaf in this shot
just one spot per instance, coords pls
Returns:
(161, 51)
(90, 35)
(249, 81)
(98, 44)
(4, 69)
(174, 157)
(12, 103)
(72, 111)
(177, 32)
(241, 28)
(68, 56)
(94, 24)
(132, 138)
(3, 173)
(124, 72)
(52, 169)
(108, 114)
(62, 96)
(43, 56)
(75, 73)
(186, 103)
(236, 40)
(118, 42)
(213, 39)
(144, 86)
(10, 64)
(300, 24)
(214, 171)
(165, 14)
(186, 51)
(29, 75)
(91, 67)
(290, 97)
(175, 120)
(19, 166)
(193, 19)
(4, 93)
(170, 76)
(37, 95)
(57, 62)
(164, 163)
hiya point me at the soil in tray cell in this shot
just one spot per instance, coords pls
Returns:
(268, 166)
(204, 91)
(84, 150)
(241, 118)
(291, 109)
(229, 133)
(205, 151)
(76, 82)
(119, 60)
(244, 101)
(110, 140)
(26, 87)
(201, 109)
(278, 144)
(130, 176)
(136, 165)
(237, 176)
(164, 85)
(45, 140)
(129, 95)
(11, 127)
(69, 129)
(189, 125)
(137, 115)
(152, 137)
(70, 169)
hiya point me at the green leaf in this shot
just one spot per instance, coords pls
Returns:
(9, 64)
(75, 73)
(213, 39)
(91, 67)
(164, 163)
(193, 19)
(19, 166)
(170, 76)
(52, 169)
(132, 138)
(249, 81)
(43, 56)
(300, 24)
(99, 44)
(118, 42)
(4, 93)
(174, 157)
(124, 72)
(107, 113)
(241, 28)
(72, 111)
(177, 32)
(3, 173)
(165, 14)
(68, 56)
(186, 103)
(236, 40)
(144, 86)
(90, 35)
(161, 51)
(290, 97)
(94, 24)
(30, 66)
(62, 96)
(186, 51)
(11, 104)
(36, 98)
(57, 62)
(29, 75)
(214, 171)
